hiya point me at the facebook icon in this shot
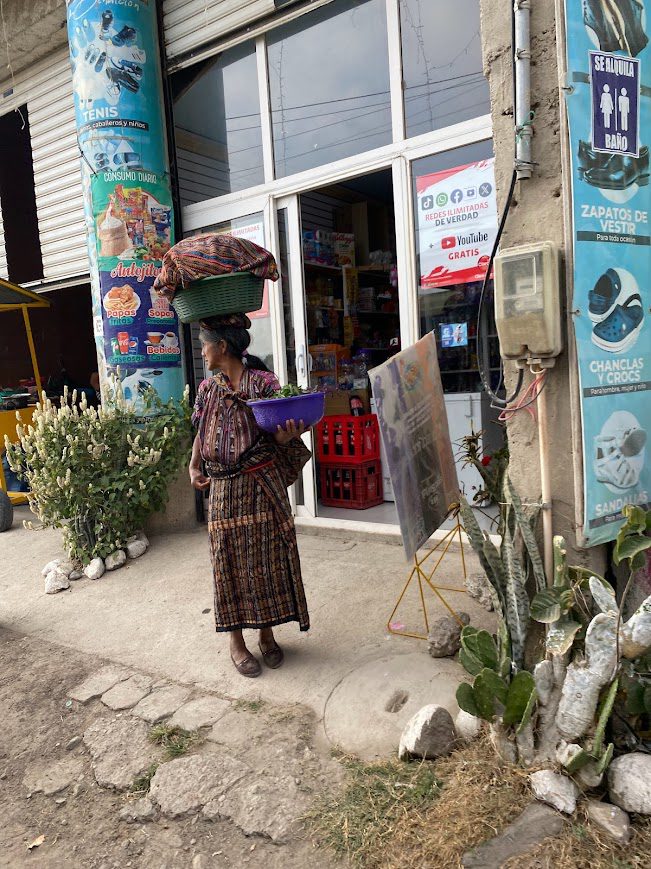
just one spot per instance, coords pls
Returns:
(456, 196)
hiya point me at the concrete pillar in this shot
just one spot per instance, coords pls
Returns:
(538, 214)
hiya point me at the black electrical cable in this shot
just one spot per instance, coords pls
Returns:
(499, 402)
(485, 379)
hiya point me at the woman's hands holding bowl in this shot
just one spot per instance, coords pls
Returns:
(284, 435)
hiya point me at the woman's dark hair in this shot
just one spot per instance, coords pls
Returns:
(237, 341)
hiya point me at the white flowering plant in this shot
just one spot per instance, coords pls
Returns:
(99, 473)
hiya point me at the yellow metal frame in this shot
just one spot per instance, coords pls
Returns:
(32, 300)
(419, 572)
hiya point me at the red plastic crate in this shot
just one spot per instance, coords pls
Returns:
(356, 486)
(348, 438)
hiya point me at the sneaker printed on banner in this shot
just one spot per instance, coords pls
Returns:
(615, 307)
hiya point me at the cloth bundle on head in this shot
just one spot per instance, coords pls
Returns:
(202, 256)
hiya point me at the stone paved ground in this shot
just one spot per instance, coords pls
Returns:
(76, 735)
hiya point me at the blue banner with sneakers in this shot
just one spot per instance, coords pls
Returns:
(609, 109)
(118, 97)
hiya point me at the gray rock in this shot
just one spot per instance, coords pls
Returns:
(430, 733)
(629, 782)
(184, 785)
(611, 819)
(73, 743)
(161, 703)
(95, 569)
(554, 789)
(200, 712)
(56, 581)
(138, 812)
(136, 548)
(115, 559)
(536, 823)
(50, 566)
(55, 778)
(467, 726)
(120, 749)
(479, 588)
(262, 805)
(66, 567)
(444, 639)
(98, 683)
(76, 574)
(126, 694)
(588, 776)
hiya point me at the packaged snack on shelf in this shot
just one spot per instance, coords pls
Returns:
(344, 248)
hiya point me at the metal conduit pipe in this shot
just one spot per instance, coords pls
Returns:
(522, 66)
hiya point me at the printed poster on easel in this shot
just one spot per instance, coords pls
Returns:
(609, 111)
(413, 422)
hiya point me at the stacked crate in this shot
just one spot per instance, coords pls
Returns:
(349, 461)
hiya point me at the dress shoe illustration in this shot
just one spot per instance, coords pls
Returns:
(620, 171)
(589, 159)
(617, 24)
(619, 330)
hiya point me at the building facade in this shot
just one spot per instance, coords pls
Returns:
(332, 132)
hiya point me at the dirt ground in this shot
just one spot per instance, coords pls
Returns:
(81, 824)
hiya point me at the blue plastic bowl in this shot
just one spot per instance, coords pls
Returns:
(270, 413)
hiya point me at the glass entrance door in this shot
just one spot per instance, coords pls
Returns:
(295, 361)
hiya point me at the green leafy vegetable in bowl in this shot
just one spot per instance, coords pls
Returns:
(290, 391)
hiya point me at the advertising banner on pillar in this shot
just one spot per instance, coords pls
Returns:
(609, 111)
(413, 422)
(457, 223)
(117, 83)
(117, 88)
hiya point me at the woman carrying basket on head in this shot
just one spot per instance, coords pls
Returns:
(256, 567)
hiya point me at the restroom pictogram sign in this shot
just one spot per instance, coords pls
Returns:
(615, 86)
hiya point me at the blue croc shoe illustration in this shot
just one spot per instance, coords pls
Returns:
(605, 295)
(621, 327)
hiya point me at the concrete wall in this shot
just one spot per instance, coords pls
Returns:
(35, 28)
(537, 214)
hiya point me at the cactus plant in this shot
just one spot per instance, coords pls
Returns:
(509, 567)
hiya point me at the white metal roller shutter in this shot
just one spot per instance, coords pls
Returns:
(57, 173)
(191, 23)
(3, 253)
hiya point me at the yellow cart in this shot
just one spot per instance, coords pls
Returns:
(15, 298)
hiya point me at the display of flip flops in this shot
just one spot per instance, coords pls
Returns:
(615, 307)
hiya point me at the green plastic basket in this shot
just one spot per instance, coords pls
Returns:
(221, 294)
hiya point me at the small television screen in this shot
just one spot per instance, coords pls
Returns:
(454, 334)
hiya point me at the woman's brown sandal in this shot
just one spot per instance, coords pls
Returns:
(249, 667)
(272, 657)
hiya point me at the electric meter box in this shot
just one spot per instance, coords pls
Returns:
(527, 301)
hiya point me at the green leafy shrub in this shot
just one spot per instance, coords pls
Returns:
(98, 474)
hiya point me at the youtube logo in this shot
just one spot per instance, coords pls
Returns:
(448, 242)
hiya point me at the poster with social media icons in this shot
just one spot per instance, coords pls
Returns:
(457, 223)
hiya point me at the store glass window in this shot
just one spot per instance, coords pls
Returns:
(452, 191)
(217, 126)
(329, 84)
(441, 64)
